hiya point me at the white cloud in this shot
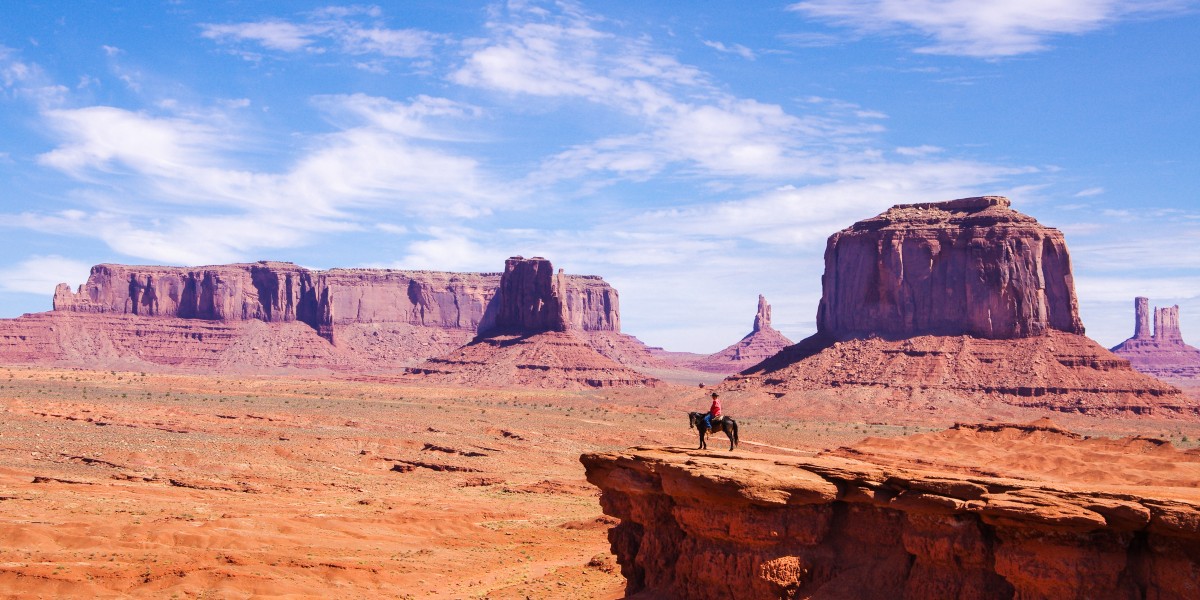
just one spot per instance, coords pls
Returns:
(982, 28)
(273, 35)
(166, 187)
(737, 49)
(347, 30)
(1092, 191)
(40, 274)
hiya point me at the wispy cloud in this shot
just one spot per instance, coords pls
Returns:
(40, 274)
(737, 49)
(982, 28)
(349, 30)
(168, 186)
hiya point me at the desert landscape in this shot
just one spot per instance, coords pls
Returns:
(237, 431)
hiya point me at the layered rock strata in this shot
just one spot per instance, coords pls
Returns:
(763, 342)
(1160, 351)
(284, 292)
(701, 525)
(966, 267)
(533, 342)
(270, 315)
(965, 299)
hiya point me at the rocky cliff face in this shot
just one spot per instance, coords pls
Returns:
(964, 300)
(857, 524)
(283, 292)
(763, 342)
(972, 266)
(531, 298)
(210, 317)
(536, 339)
(1160, 352)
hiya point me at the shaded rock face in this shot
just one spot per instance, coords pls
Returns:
(761, 343)
(702, 525)
(972, 266)
(535, 341)
(531, 298)
(962, 299)
(1160, 352)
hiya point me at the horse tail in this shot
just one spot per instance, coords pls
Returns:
(735, 432)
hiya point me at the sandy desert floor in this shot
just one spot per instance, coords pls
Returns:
(116, 484)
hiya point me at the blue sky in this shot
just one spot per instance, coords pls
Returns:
(695, 154)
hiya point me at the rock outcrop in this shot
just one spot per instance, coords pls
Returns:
(761, 343)
(275, 314)
(1160, 352)
(966, 267)
(967, 299)
(874, 522)
(534, 342)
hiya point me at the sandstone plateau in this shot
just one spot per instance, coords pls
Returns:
(1160, 351)
(966, 299)
(274, 316)
(979, 511)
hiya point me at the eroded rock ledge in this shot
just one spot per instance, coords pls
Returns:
(713, 525)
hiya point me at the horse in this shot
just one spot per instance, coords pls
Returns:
(726, 424)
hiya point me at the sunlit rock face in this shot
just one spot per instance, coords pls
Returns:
(1051, 514)
(962, 300)
(970, 267)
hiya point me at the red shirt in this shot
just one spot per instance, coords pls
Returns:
(715, 409)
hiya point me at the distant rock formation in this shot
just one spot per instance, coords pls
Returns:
(277, 315)
(966, 267)
(917, 517)
(1160, 352)
(761, 343)
(966, 297)
(533, 342)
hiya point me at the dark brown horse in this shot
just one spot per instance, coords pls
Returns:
(726, 424)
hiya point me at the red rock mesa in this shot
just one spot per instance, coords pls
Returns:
(967, 299)
(274, 315)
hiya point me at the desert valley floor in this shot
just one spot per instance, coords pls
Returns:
(182, 486)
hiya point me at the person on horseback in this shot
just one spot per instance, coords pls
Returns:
(714, 412)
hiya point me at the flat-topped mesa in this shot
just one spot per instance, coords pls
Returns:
(284, 292)
(971, 266)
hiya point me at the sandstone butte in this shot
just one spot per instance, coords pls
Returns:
(984, 512)
(1160, 351)
(531, 343)
(266, 316)
(967, 299)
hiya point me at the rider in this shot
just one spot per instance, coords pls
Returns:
(714, 412)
